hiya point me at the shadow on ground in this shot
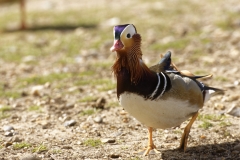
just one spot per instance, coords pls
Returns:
(202, 152)
(66, 27)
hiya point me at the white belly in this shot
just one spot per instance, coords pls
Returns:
(157, 114)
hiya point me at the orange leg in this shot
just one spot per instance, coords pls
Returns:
(151, 145)
(183, 142)
(23, 14)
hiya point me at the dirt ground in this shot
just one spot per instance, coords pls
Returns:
(57, 92)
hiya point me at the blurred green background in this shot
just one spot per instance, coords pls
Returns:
(69, 41)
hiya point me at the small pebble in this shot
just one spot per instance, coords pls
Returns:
(15, 117)
(24, 94)
(108, 140)
(119, 133)
(233, 98)
(220, 150)
(234, 110)
(122, 112)
(125, 119)
(7, 128)
(47, 85)
(203, 137)
(169, 138)
(37, 90)
(64, 117)
(219, 106)
(67, 147)
(30, 157)
(98, 119)
(70, 123)
(16, 139)
(69, 105)
(236, 83)
(166, 131)
(8, 134)
(100, 103)
(46, 125)
(114, 156)
(6, 144)
(237, 147)
(72, 89)
(29, 58)
(235, 152)
(79, 143)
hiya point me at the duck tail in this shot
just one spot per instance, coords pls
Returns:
(211, 91)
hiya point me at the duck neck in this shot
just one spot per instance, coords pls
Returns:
(131, 60)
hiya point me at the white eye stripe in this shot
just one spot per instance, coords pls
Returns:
(130, 29)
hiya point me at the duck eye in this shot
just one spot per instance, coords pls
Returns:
(128, 35)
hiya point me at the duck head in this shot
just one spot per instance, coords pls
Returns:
(123, 37)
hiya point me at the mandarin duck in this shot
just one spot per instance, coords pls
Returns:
(160, 96)
(22, 11)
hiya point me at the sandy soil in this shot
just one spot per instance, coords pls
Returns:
(68, 128)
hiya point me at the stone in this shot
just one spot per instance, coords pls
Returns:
(25, 67)
(236, 83)
(7, 128)
(237, 147)
(8, 134)
(118, 133)
(67, 147)
(235, 152)
(98, 119)
(122, 112)
(68, 106)
(106, 140)
(46, 125)
(219, 106)
(203, 137)
(37, 90)
(24, 93)
(73, 89)
(114, 156)
(47, 85)
(7, 144)
(233, 98)
(234, 53)
(30, 157)
(29, 58)
(16, 139)
(234, 110)
(220, 149)
(100, 103)
(70, 123)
